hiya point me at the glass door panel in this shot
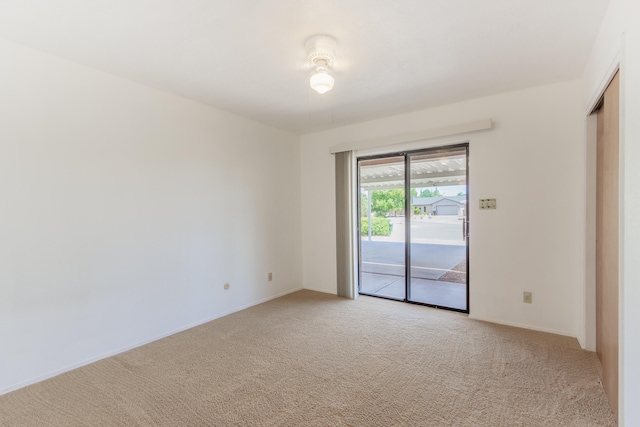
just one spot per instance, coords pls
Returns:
(438, 246)
(427, 231)
(381, 223)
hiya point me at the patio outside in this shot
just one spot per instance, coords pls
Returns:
(438, 261)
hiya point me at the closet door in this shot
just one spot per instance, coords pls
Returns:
(607, 211)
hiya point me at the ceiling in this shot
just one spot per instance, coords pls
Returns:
(247, 56)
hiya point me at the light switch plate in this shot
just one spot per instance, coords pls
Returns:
(488, 204)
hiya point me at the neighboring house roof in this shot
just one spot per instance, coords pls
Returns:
(422, 201)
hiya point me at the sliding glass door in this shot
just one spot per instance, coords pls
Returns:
(382, 227)
(416, 248)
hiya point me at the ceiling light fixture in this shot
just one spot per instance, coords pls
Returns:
(321, 53)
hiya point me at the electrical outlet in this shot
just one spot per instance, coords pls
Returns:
(270, 276)
(226, 286)
(527, 297)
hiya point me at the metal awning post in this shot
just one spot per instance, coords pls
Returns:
(369, 212)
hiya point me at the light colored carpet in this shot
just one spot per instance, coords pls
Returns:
(310, 359)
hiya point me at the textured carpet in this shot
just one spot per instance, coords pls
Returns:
(310, 359)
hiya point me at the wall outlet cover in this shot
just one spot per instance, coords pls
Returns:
(488, 204)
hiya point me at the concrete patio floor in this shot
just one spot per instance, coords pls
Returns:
(426, 291)
(437, 247)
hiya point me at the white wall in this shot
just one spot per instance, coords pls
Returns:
(533, 162)
(123, 210)
(618, 42)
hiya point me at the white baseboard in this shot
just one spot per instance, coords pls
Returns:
(138, 344)
(523, 326)
(324, 291)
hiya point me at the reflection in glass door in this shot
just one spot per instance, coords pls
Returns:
(426, 231)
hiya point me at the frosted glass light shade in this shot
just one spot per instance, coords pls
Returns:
(321, 81)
